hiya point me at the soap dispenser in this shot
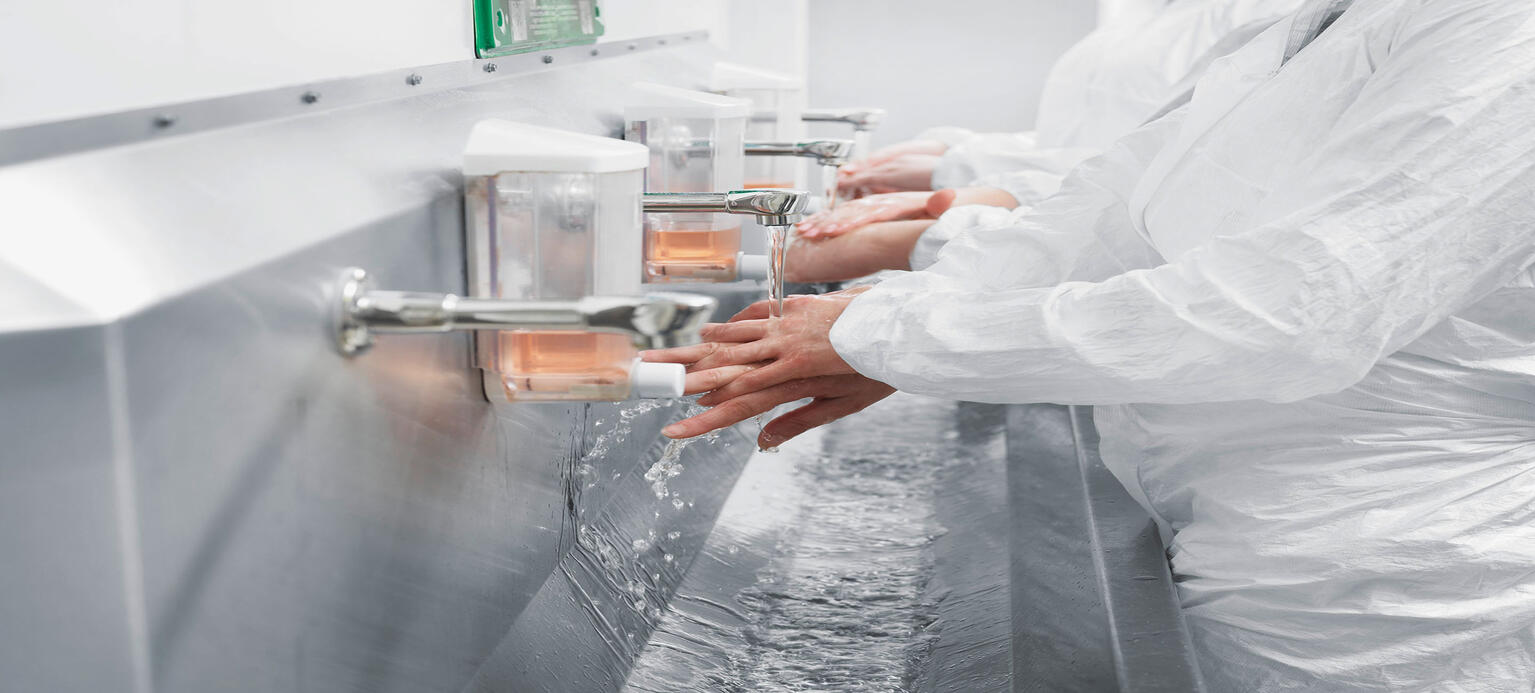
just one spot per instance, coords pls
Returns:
(696, 145)
(554, 215)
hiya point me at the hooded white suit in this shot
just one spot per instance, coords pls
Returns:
(1147, 53)
(1101, 89)
(1306, 305)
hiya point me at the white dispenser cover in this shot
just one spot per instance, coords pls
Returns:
(498, 146)
(661, 101)
(732, 76)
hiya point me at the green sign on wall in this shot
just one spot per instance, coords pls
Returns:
(505, 27)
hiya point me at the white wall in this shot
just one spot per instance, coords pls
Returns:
(976, 63)
(627, 19)
(63, 59)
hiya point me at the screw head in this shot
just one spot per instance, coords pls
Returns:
(548, 59)
(413, 79)
(164, 120)
(596, 52)
(310, 97)
(490, 67)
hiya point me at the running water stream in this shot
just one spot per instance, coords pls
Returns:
(778, 239)
(829, 185)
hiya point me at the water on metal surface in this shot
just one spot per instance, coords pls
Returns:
(823, 572)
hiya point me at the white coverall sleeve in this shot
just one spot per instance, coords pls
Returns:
(1092, 200)
(949, 135)
(1418, 204)
(1012, 161)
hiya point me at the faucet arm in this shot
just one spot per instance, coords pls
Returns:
(771, 207)
(860, 118)
(654, 321)
(825, 152)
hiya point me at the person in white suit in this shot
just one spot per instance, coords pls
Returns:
(1303, 305)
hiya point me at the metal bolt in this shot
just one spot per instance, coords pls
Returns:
(490, 67)
(413, 79)
(548, 59)
(596, 52)
(310, 97)
(164, 120)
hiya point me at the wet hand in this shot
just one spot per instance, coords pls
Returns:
(832, 397)
(906, 172)
(752, 364)
(851, 215)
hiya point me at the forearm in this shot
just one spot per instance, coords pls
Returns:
(872, 248)
(988, 196)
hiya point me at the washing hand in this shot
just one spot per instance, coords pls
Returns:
(902, 173)
(752, 364)
(875, 208)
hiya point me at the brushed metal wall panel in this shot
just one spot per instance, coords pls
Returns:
(303, 521)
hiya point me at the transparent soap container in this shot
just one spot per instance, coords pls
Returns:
(697, 143)
(554, 215)
(777, 102)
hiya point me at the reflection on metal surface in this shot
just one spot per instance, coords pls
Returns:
(770, 207)
(1094, 607)
(655, 321)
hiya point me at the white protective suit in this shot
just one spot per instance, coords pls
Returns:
(1305, 303)
(1101, 89)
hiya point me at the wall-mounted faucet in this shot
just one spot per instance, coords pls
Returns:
(825, 152)
(770, 207)
(862, 119)
(553, 240)
(654, 321)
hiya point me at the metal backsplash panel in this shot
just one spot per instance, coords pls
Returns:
(197, 492)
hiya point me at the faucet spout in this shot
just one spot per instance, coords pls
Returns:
(771, 207)
(862, 119)
(825, 152)
(655, 321)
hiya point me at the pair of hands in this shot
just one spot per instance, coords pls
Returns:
(752, 363)
(903, 167)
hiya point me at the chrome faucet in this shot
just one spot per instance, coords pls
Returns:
(771, 207)
(862, 119)
(655, 321)
(825, 152)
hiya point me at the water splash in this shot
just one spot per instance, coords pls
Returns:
(841, 600)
